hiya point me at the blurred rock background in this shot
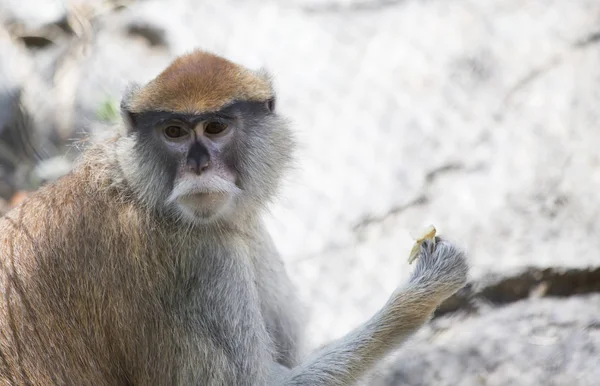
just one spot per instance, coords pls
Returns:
(481, 117)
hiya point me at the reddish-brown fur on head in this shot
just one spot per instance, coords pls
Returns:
(199, 82)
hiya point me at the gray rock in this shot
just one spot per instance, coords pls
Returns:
(554, 341)
(17, 133)
(32, 13)
(27, 115)
(13, 64)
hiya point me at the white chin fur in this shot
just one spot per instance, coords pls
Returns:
(202, 198)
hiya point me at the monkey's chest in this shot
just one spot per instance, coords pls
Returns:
(223, 334)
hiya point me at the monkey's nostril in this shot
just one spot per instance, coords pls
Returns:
(192, 165)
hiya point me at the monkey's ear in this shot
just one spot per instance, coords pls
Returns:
(266, 75)
(126, 113)
(271, 104)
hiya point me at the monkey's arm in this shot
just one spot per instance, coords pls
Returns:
(344, 361)
(441, 270)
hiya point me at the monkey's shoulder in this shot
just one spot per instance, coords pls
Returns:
(67, 218)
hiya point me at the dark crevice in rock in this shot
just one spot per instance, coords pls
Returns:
(433, 174)
(41, 37)
(371, 220)
(422, 199)
(532, 282)
(65, 26)
(592, 38)
(552, 63)
(155, 36)
(36, 42)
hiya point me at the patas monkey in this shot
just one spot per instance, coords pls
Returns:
(149, 263)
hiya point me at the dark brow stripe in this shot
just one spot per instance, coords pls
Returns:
(229, 112)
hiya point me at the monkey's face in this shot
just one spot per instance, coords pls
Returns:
(213, 165)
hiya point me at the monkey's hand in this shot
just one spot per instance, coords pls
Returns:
(441, 268)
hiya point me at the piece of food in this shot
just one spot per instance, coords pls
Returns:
(427, 234)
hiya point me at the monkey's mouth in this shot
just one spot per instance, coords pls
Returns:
(205, 200)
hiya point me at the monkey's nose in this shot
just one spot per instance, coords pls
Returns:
(197, 167)
(198, 159)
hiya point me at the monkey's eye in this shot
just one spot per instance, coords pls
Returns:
(215, 127)
(175, 132)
